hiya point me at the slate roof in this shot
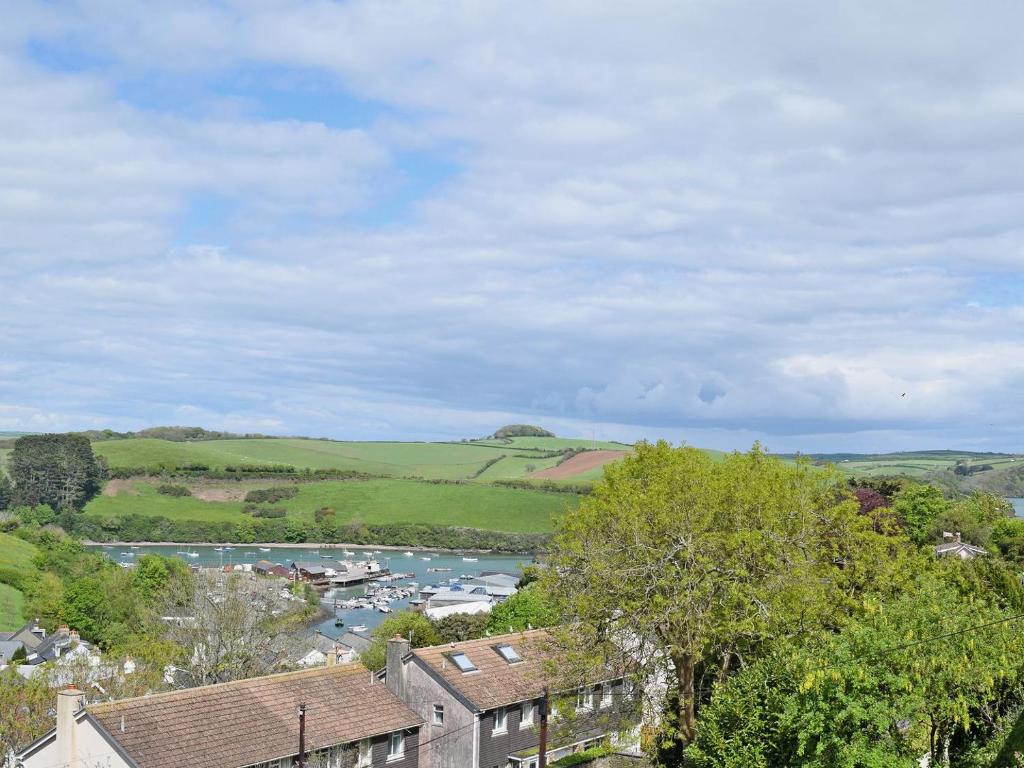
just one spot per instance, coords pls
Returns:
(250, 721)
(495, 682)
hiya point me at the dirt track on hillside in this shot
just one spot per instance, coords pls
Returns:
(578, 464)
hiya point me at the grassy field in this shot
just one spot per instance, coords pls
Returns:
(433, 461)
(16, 555)
(918, 464)
(12, 604)
(384, 501)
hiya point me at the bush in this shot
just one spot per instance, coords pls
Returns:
(579, 758)
(168, 489)
(270, 512)
(272, 495)
(324, 513)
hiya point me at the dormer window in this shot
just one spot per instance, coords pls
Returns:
(462, 661)
(508, 653)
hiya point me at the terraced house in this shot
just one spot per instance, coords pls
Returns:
(352, 721)
(482, 702)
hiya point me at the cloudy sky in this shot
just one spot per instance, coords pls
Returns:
(706, 221)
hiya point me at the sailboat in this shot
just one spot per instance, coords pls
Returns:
(264, 549)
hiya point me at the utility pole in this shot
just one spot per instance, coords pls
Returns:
(302, 736)
(544, 730)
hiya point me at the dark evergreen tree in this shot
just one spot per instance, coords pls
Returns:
(57, 470)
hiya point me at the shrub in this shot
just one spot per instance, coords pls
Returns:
(272, 495)
(167, 489)
(324, 513)
(270, 512)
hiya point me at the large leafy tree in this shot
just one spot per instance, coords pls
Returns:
(57, 470)
(688, 566)
(919, 506)
(412, 625)
(901, 680)
(528, 608)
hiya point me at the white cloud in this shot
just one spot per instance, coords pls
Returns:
(708, 221)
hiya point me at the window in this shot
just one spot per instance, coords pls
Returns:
(526, 716)
(606, 694)
(500, 720)
(508, 653)
(462, 661)
(365, 753)
(438, 714)
(396, 745)
(584, 698)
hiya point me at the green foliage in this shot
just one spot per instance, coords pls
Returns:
(323, 514)
(581, 758)
(411, 625)
(272, 495)
(57, 470)
(709, 561)
(461, 626)
(270, 513)
(6, 492)
(528, 608)
(168, 489)
(919, 506)
(878, 693)
(973, 517)
(521, 430)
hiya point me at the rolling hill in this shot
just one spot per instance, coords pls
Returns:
(15, 559)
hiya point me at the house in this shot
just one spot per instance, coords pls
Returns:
(344, 649)
(31, 636)
(482, 701)
(267, 568)
(311, 572)
(958, 548)
(63, 643)
(350, 720)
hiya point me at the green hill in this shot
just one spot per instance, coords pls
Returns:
(15, 561)
(432, 461)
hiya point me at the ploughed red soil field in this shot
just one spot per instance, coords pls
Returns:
(581, 462)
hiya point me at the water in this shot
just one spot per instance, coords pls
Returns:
(396, 561)
(1018, 506)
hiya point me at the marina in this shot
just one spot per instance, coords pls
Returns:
(362, 600)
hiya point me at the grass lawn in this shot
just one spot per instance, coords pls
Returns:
(554, 443)
(12, 604)
(443, 461)
(15, 554)
(382, 501)
(514, 467)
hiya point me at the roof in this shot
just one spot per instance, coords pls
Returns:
(354, 641)
(309, 567)
(495, 579)
(478, 606)
(8, 648)
(960, 549)
(263, 564)
(495, 682)
(251, 721)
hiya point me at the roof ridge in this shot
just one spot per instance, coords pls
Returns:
(347, 669)
(486, 640)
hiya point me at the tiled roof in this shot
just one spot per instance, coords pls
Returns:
(250, 721)
(495, 682)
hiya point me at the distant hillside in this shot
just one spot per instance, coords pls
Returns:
(521, 430)
(173, 434)
(962, 471)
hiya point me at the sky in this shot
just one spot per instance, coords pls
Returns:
(709, 222)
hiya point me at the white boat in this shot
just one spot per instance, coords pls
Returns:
(264, 549)
(228, 549)
(470, 559)
(218, 549)
(127, 554)
(384, 608)
(193, 554)
(348, 552)
(407, 554)
(358, 628)
(425, 558)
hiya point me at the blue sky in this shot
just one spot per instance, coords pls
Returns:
(708, 222)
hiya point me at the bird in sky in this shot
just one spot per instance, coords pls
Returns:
(904, 394)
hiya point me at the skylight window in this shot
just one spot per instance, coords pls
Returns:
(462, 661)
(508, 653)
